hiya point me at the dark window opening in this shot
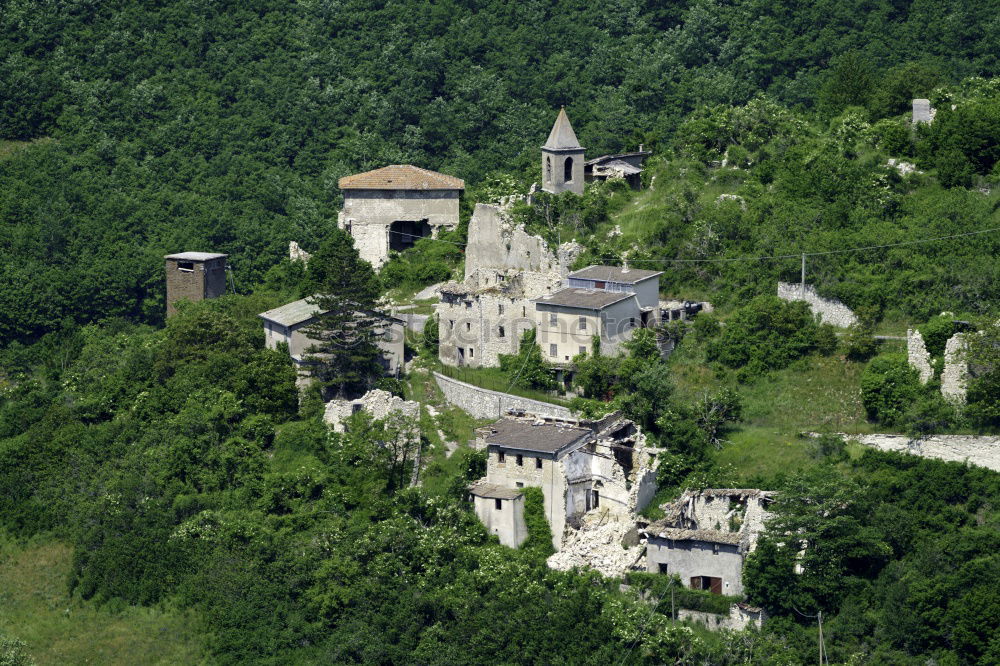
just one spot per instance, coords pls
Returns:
(598, 284)
(185, 266)
(500, 332)
(662, 567)
(498, 504)
(538, 463)
(404, 233)
(568, 170)
(710, 583)
(519, 484)
(501, 457)
(593, 499)
(520, 460)
(548, 169)
(472, 352)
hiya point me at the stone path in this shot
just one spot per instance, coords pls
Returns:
(450, 446)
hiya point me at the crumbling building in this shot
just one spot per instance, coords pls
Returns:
(582, 466)
(706, 536)
(389, 209)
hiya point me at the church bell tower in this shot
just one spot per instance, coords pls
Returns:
(562, 158)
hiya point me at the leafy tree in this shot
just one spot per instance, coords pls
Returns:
(527, 368)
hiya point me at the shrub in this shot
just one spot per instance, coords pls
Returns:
(539, 541)
(888, 387)
(705, 327)
(860, 343)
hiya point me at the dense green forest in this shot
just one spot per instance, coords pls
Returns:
(224, 126)
(178, 463)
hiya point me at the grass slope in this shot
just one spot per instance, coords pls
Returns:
(59, 629)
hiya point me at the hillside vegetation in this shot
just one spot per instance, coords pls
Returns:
(167, 481)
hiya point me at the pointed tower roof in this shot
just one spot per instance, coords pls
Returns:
(562, 136)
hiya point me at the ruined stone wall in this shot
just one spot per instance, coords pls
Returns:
(982, 451)
(739, 618)
(955, 374)
(496, 243)
(477, 322)
(918, 356)
(485, 404)
(377, 403)
(830, 310)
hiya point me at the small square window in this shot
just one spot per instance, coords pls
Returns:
(185, 266)
(583, 323)
(519, 484)
(520, 460)
(498, 504)
(553, 318)
(553, 350)
(538, 463)
(662, 566)
(583, 350)
(468, 305)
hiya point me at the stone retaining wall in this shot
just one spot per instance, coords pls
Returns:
(983, 451)
(486, 404)
(830, 310)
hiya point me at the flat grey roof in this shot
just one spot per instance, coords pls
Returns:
(301, 310)
(529, 436)
(585, 299)
(614, 274)
(292, 313)
(493, 491)
(195, 256)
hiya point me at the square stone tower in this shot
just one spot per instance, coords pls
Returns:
(562, 158)
(194, 276)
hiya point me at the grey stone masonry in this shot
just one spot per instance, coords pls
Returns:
(955, 374)
(485, 404)
(918, 356)
(830, 310)
(982, 451)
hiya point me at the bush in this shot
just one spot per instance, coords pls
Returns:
(860, 343)
(705, 327)
(768, 334)
(936, 333)
(888, 388)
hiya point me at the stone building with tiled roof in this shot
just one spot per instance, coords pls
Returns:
(389, 209)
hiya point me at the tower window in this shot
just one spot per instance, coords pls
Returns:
(186, 266)
(568, 170)
(548, 168)
(498, 504)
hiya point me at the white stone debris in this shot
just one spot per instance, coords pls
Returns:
(732, 197)
(599, 547)
(377, 403)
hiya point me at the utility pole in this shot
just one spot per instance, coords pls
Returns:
(802, 283)
(820, 616)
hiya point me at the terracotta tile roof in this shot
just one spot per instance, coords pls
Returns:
(401, 177)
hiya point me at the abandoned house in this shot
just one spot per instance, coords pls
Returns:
(627, 166)
(389, 209)
(581, 466)
(562, 158)
(706, 536)
(606, 301)
(287, 325)
(194, 276)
